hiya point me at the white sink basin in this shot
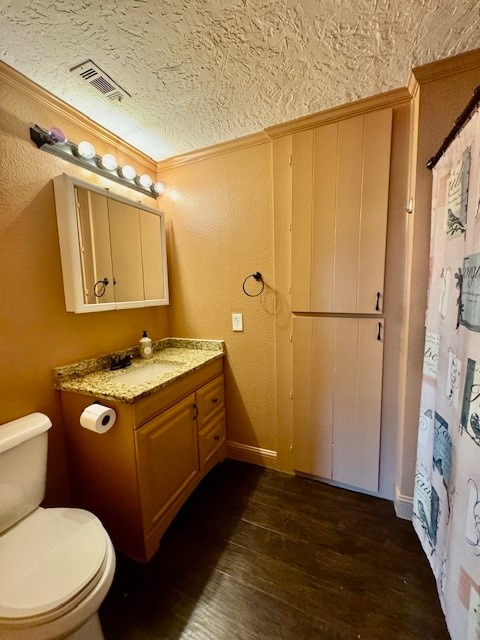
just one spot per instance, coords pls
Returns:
(146, 373)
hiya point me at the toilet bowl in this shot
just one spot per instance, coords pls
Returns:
(56, 565)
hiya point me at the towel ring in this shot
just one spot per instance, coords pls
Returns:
(99, 288)
(257, 276)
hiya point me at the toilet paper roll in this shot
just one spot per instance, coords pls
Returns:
(98, 418)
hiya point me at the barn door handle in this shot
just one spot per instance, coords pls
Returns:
(377, 306)
(379, 333)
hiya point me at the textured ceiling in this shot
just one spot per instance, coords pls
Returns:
(204, 71)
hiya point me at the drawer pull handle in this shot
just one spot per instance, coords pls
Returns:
(217, 437)
(377, 306)
(379, 334)
(214, 400)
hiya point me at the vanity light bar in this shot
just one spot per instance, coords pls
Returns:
(52, 142)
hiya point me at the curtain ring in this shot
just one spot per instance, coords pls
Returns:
(257, 276)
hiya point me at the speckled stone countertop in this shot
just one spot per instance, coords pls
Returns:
(93, 377)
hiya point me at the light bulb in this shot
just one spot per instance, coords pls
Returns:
(85, 150)
(109, 162)
(145, 181)
(159, 188)
(127, 172)
(55, 136)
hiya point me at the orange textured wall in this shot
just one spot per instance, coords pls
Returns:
(36, 333)
(222, 231)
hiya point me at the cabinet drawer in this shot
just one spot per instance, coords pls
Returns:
(211, 438)
(152, 405)
(210, 400)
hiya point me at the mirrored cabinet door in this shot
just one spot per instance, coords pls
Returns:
(113, 250)
(94, 242)
(150, 230)
(126, 251)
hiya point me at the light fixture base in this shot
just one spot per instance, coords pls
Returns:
(67, 152)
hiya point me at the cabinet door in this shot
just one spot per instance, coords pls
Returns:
(153, 256)
(340, 179)
(313, 384)
(337, 373)
(94, 245)
(167, 459)
(126, 253)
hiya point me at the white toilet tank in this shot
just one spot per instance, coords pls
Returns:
(23, 467)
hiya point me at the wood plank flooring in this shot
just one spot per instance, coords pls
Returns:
(261, 555)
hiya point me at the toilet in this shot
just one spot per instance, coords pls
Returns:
(56, 565)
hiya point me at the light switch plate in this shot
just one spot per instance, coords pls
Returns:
(237, 321)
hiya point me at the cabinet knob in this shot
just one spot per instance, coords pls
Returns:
(217, 437)
(195, 412)
(214, 400)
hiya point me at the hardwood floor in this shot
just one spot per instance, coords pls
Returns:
(257, 554)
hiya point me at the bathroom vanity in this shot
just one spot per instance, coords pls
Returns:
(169, 432)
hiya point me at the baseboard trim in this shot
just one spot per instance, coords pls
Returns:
(254, 455)
(403, 506)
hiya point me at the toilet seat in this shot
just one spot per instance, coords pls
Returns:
(49, 562)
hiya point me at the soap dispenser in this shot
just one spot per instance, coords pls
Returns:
(146, 350)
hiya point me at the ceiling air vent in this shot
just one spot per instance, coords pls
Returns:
(100, 81)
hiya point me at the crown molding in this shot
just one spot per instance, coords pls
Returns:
(413, 85)
(20, 82)
(447, 67)
(382, 100)
(228, 146)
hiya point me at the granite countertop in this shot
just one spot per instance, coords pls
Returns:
(180, 356)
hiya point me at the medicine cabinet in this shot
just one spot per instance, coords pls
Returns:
(112, 249)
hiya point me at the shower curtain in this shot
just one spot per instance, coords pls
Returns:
(446, 510)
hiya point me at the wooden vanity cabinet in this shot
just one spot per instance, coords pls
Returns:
(136, 476)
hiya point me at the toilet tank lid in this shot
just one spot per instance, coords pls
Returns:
(17, 431)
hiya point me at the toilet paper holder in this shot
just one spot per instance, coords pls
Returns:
(98, 418)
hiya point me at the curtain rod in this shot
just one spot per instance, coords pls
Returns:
(462, 119)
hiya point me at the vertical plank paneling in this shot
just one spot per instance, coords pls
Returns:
(373, 226)
(313, 367)
(340, 182)
(313, 364)
(302, 199)
(357, 409)
(347, 224)
(369, 402)
(323, 348)
(323, 223)
(345, 433)
(302, 432)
